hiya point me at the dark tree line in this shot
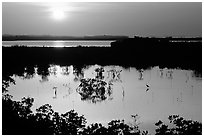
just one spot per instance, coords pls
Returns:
(128, 53)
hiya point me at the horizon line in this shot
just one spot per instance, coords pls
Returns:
(103, 35)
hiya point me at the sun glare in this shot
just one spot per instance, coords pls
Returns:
(60, 11)
(58, 14)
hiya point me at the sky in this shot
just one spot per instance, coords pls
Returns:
(103, 18)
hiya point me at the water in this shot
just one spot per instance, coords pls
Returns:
(66, 43)
(153, 93)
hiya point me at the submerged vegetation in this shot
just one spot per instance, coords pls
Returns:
(94, 90)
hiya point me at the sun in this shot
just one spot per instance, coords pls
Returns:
(58, 14)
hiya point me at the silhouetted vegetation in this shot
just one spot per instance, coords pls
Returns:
(94, 90)
(51, 37)
(115, 127)
(163, 52)
(6, 81)
(18, 119)
(181, 126)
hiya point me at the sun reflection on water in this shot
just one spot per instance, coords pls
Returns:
(59, 44)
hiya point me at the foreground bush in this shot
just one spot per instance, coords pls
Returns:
(180, 127)
(18, 119)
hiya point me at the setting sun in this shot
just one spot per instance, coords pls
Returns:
(58, 14)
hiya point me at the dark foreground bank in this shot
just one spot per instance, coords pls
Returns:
(18, 119)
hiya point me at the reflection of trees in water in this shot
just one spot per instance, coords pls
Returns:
(161, 73)
(27, 76)
(65, 70)
(196, 74)
(78, 73)
(99, 73)
(169, 74)
(94, 90)
(52, 70)
(43, 70)
(44, 79)
(114, 75)
(69, 90)
(29, 72)
(25, 72)
(141, 74)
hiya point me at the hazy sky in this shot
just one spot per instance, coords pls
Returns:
(78, 19)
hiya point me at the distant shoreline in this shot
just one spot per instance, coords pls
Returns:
(91, 38)
(45, 37)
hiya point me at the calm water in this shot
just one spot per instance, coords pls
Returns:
(67, 43)
(117, 93)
